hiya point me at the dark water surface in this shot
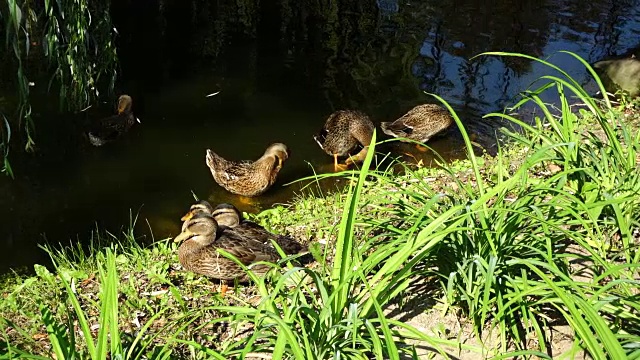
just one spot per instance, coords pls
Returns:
(281, 67)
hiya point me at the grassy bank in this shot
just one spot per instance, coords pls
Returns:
(533, 253)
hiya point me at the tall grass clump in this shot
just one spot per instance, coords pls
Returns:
(110, 299)
(515, 256)
(101, 343)
(538, 239)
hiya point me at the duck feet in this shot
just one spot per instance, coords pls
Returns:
(340, 167)
(223, 288)
(421, 148)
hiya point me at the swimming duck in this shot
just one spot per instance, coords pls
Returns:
(109, 129)
(248, 178)
(342, 132)
(229, 216)
(198, 251)
(420, 123)
(620, 74)
(230, 219)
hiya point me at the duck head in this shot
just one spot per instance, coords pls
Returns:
(124, 104)
(201, 228)
(280, 151)
(227, 215)
(202, 206)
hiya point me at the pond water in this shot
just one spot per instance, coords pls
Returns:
(281, 69)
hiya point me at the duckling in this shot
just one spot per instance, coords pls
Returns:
(109, 129)
(342, 132)
(198, 251)
(420, 123)
(620, 74)
(229, 216)
(248, 178)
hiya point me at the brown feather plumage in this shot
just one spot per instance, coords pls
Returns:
(420, 123)
(199, 250)
(105, 130)
(229, 216)
(248, 178)
(343, 131)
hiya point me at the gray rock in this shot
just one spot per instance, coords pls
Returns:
(620, 74)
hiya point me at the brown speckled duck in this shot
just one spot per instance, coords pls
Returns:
(109, 129)
(248, 178)
(198, 250)
(229, 216)
(230, 219)
(420, 123)
(343, 131)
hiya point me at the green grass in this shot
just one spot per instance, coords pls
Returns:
(544, 236)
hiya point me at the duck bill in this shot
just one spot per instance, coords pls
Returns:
(182, 237)
(187, 216)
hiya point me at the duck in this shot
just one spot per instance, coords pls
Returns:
(198, 251)
(420, 123)
(201, 206)
(230, 218)
(620, 74)
(109, 129)
(342, 132)
(248, 178)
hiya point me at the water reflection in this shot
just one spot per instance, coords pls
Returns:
(281, 67)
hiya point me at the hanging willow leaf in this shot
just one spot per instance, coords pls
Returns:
(80, 52)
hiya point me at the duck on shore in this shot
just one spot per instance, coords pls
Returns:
(342, 132)
(198, 251)
(206, 229)
(229, 218)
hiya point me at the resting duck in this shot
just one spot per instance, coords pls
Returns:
(248, 178)
(109, 129)
(342, 132)
(201, 238)
(229, 218)
(420, 123)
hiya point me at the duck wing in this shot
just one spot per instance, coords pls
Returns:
(288, 244)
(397, 128)
(246, 250)
(108, 128)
